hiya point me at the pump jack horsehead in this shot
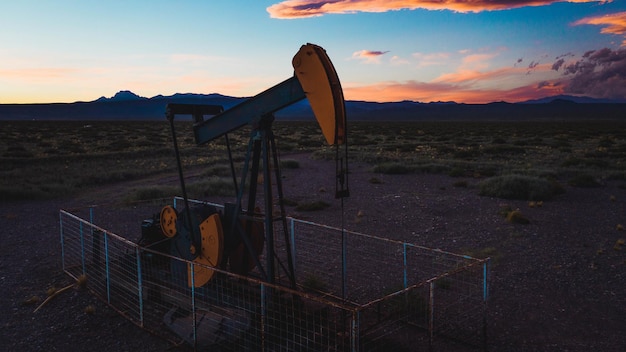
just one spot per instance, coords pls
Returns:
(234, 240)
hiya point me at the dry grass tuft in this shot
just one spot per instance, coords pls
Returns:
(90, 309)
(516, 217)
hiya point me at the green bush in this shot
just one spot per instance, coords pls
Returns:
(214, 186)
(289, 164)
(457, 172)
(375, 181)
(11, 194)
(312, 206)
(150, 193)
(517, 187)
(461, 183)
(392, 168)
(583, 180)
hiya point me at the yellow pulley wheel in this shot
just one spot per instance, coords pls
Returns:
(168, 221)
(212, 246)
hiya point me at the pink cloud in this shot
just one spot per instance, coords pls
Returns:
(368, 55)
(311, 8)
(613, 23)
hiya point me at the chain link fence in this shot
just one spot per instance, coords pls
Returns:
(355, 292)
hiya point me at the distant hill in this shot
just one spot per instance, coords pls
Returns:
(574, 99)
(126, 105)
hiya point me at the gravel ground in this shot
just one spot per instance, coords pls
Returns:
(557, 283)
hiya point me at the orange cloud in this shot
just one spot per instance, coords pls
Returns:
(614, 23)
(468, 76)
(432, 59)
(466, 86)
(429, 92)
(312, 8)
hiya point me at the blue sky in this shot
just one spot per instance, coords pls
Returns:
(392, 50)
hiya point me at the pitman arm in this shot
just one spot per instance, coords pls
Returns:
(250, 111)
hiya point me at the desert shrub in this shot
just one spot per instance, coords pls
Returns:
(503, 149)
(323, 154)
(462, 184)
(617, 175)
(214, 186)
(583, 180)
(505, 210)
(218, 170)
(392, 168)
(466, 153)
(306, 142)
(150, 193)
(457, 172)
(375, 181)
(606, 142)
(17, 151)
(585, 162)
(521, 143)
(289, 164)
(11, 194)
(432, 168)
(517, 187)
(313, 283)
(444, 149)
(289, 202)
(561, 144)
(407, 147)
(487, 171)
(312, 206)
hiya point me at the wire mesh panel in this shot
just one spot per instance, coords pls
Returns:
(354, 292)
(110, 263)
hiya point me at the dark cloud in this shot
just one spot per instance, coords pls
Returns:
(564, 56)
(544, 84)
(312, 5)
(599, 73)
(557, 64)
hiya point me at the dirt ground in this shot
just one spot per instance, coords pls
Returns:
(557, 283)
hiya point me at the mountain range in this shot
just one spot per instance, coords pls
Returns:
(126, 105)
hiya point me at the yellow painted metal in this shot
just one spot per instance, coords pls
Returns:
(321, 85)
(168, 221)
(212, 242)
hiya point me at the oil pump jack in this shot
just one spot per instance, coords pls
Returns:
(235, 238)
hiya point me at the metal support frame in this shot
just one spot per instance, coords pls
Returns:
(262, 152)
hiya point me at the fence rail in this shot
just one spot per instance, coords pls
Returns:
(355, 292)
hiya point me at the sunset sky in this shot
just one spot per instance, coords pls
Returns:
(383, 50)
